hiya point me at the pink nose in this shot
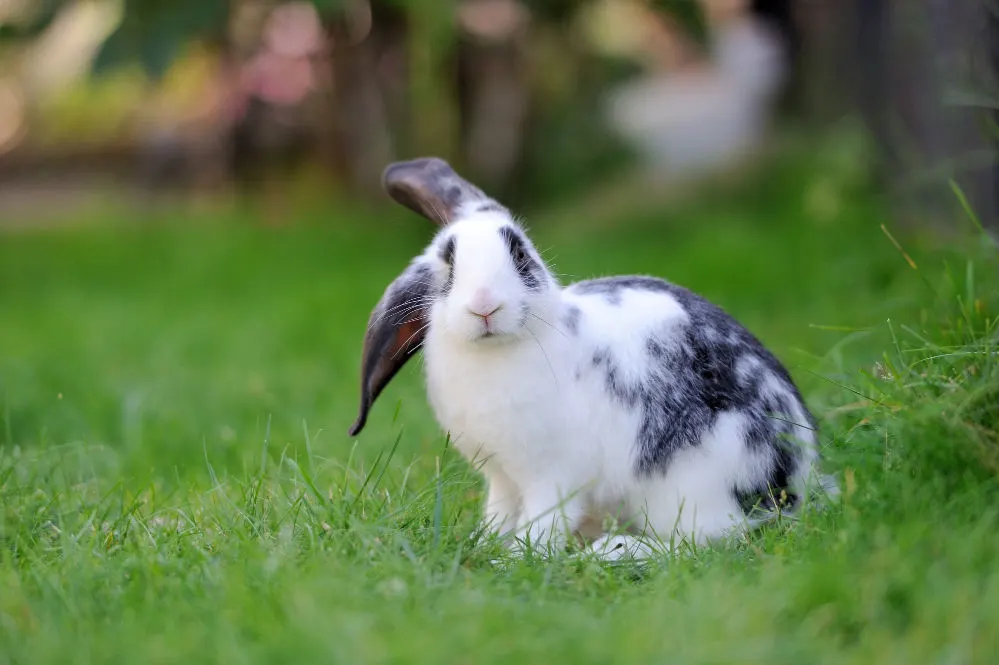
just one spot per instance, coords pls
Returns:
(483, 304)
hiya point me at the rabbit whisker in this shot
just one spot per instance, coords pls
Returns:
(545, 354)
(555, 328)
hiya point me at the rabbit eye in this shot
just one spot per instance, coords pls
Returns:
(519, 255)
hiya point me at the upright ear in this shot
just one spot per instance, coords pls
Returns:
(429, 186)
(395, 333)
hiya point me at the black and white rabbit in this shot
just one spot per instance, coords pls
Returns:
(623, 398)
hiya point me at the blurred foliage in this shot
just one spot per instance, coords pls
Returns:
(559, 159)
(151, 59)
(40, 15)
(555, 10)
(100, 111)
(153, 32)
(687, 14)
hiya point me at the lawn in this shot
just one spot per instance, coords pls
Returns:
(177, 483)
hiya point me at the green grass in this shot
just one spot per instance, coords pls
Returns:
(177, 485)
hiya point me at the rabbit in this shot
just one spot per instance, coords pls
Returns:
(624, 400)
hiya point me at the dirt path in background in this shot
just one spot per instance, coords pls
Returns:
(55, 201)
(64, 202)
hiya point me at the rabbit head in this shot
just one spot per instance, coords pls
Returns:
(479, 282)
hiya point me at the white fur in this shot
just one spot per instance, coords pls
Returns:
(557, 451)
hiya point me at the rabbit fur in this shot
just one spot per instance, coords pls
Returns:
(613, 401)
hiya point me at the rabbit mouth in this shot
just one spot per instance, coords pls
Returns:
(487, 333)
(490, 336)
(487, 330)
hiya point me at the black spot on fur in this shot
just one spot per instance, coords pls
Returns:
(447, 256)
(571, 319)
(612, 288)
(691, 377)
(530, 271)
(628, 393)
(447, 251)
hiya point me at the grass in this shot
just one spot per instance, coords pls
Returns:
(177, 485)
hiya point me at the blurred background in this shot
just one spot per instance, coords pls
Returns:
(537, 100)
(197, 232)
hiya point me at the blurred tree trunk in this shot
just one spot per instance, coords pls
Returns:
(911, 58)
(953, 141)
(493, 111)
(364, 137)
(494, 95)
(992, 115)
(780, 16)
(828, 63)
(415, 86)
(870, 66)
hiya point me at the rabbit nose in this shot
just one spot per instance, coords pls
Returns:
(483, 304)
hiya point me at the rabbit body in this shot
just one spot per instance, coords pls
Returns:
(625, 401)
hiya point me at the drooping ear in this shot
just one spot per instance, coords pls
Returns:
(430, 187)
(395, 333)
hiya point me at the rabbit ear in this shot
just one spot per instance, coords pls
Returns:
(395, 333)
(430, 187)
